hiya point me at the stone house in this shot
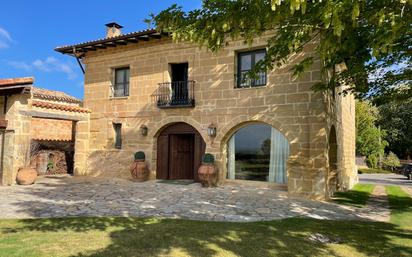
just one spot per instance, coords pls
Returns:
(33, 120)
(176, 101)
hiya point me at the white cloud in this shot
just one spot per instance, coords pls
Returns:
(5, 38)
(50, 64)
(21, 66)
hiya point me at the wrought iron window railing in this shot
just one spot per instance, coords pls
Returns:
(175, 94)
(242, 80)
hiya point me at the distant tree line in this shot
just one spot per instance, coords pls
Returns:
(384, 129)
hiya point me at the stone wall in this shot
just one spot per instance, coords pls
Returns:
(60, 130)
(19, 126)
(286, 103)
(346, 133)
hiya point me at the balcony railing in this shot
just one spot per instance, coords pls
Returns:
(175, 94)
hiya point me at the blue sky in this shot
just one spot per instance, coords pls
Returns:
(30, 30)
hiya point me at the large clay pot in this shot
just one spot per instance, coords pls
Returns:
(26, 176)
(207, 174)
(139, 171)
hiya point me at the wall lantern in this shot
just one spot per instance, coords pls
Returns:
(143, 130)
(211, 130)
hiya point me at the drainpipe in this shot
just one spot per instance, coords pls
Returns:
(78, 60)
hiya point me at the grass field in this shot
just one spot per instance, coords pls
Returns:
(174, 237)
(357, 196)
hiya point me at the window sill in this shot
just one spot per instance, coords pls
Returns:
(248, 88)
(118, 97)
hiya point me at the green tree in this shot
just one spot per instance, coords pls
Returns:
(396, 120)
(265, 147)
(391, 161)
(372, 38)
(369, 140)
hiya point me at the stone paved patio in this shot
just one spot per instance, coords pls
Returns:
(82, 196)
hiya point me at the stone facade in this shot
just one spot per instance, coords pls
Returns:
(27, 120)
(287, 103)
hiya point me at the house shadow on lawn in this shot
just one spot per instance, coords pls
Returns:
(288, 237)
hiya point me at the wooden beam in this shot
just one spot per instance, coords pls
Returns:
(133, 40)
(145, 38)
(90, 48)
(155, 36)
(51, 115)
(110, 44)
(121, 42)
(100, 46)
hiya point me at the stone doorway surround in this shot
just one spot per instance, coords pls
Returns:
(180, 148)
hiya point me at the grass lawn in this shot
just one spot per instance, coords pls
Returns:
(401, 206)
(373, 171)
(166, 237)
(357, 196)
(173, 237)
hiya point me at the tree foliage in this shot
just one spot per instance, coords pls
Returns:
(373, 38)
(396, 120)
(369, 138)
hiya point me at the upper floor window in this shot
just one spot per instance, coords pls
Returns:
(121, 82)
(246, 62)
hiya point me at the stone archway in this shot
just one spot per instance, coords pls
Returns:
(180, 148)
(229, 132)
(332, 179)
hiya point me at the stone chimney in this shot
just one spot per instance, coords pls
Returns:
(113, 29)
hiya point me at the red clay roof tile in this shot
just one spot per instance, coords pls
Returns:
(16, 81)
(60, 107)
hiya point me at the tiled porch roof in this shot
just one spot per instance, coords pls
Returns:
(16, 81)
(54, 95)
(12, 86)
(60, 107)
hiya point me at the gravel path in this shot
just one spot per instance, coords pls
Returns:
(377, 207)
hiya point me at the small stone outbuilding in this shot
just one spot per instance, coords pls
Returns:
(37, 128)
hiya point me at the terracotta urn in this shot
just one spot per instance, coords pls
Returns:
(26, 176)
(207, 171)
(139, 170)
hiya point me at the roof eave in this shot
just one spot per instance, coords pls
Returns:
(130, 38)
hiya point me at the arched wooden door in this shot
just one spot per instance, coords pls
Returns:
(179, 152)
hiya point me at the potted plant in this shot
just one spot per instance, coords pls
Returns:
(139, 169)
(28, 174)
(207, 171)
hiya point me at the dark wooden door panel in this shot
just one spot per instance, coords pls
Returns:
(162, 169)
(179, 152)
(181, 156)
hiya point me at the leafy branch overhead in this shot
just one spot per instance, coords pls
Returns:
(372, 38)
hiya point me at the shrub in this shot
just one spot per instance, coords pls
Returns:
(139, 156)
(391, 161)
(372, 161)
(208, 158)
